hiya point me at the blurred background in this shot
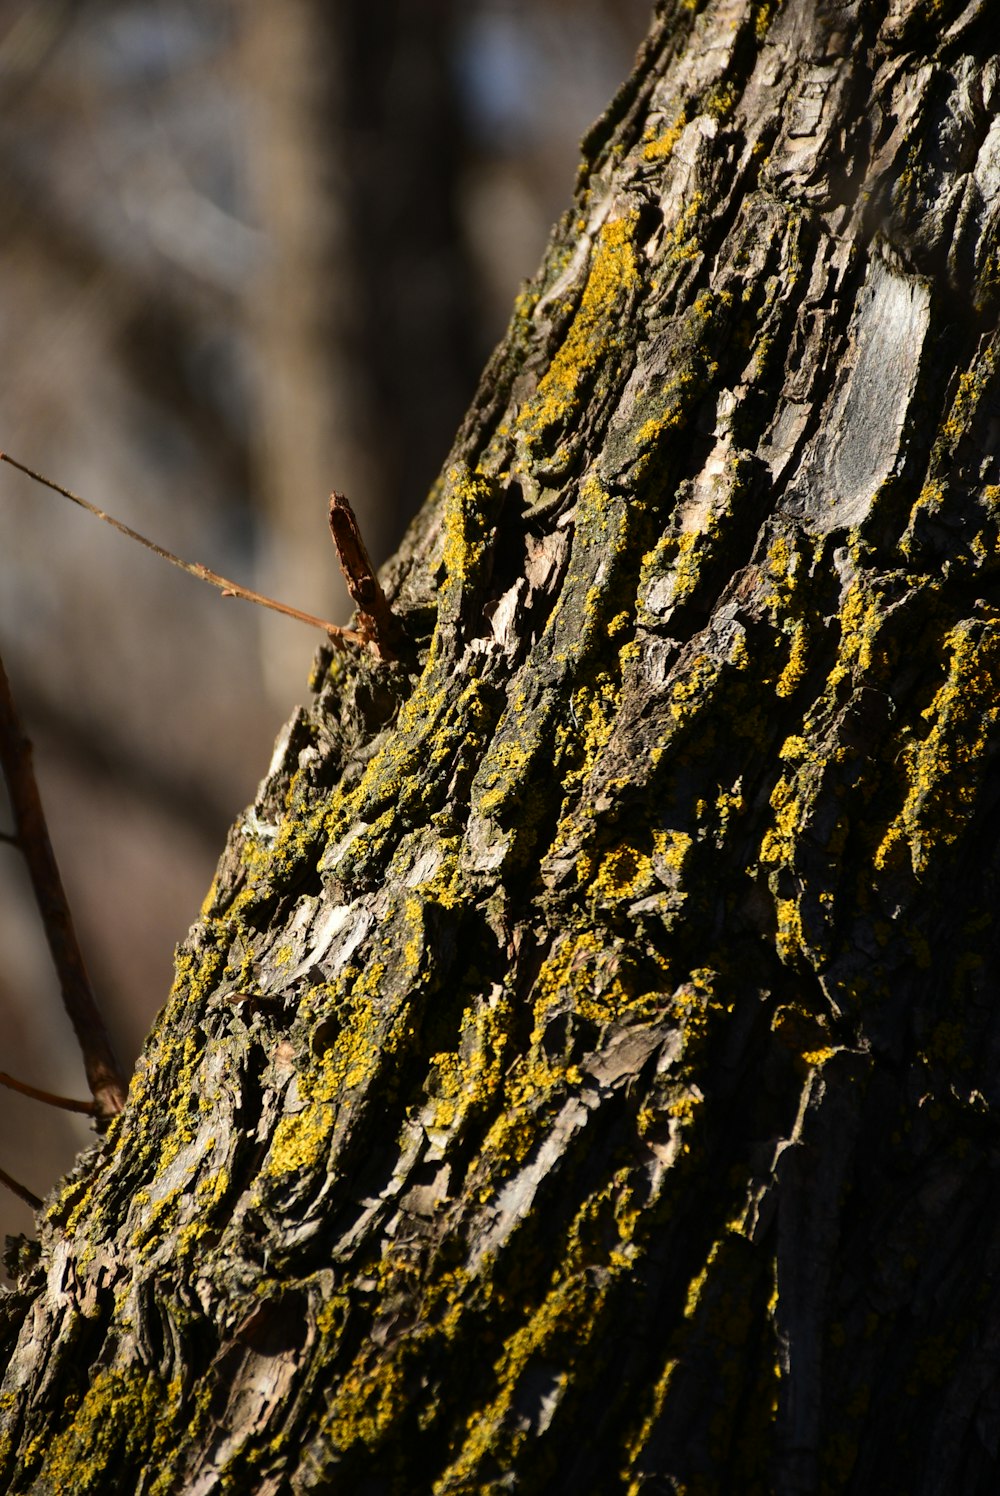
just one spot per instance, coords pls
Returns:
(248, 253)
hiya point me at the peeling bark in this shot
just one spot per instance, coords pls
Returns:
(582, 1075)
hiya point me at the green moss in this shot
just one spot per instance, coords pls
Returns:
(719, 101)
(502, 1061)
(536, 748)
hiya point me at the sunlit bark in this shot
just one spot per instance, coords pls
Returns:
(582, 1077)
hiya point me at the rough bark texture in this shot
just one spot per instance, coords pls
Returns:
(584, 1074)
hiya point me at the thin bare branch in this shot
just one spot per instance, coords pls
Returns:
(193, 568)
(20, 1190)
(49, 1097)
(107, 1085)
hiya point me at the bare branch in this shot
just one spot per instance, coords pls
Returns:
(49, 1097)
(193, 568)
(107, 1085)
(20, 1190)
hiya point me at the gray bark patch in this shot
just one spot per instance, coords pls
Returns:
(857, 446)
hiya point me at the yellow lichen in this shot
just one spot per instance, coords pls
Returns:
(553, 1332)
(779, 839)
(626, 873)
(125, 1415)
(971, 385)
(788, 937)
(862, 619)
(660, 146)
(464, 1080)
(763, 17)
(795, 666)
(943, 769)
(594, 329)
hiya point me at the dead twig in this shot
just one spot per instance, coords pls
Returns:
(107, 1086)
(49, 1097)
(375, 616)
(338, 635)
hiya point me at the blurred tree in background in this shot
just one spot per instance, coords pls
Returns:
(248, 253)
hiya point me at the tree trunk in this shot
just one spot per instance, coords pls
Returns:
(584, 1074)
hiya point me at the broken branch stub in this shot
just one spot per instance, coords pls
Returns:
(375, 616)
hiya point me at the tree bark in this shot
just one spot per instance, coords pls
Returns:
(584, 1073)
